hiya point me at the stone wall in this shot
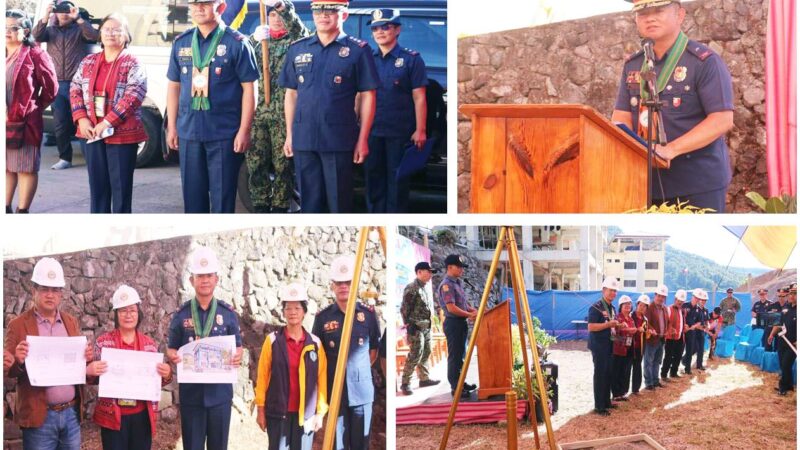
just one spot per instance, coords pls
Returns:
(581, 62)
(255, 263)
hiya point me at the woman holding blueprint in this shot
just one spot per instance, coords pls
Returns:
(127, 423)
(292, 378)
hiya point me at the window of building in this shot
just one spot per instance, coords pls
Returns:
(650, 283)
(651, 265)
(630, 265)
(616, 260)
(629, 283)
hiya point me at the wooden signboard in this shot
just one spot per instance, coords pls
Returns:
(553, 159)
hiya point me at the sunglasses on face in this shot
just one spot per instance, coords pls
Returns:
(384, 27)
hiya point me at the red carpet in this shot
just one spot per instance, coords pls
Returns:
(467, 412)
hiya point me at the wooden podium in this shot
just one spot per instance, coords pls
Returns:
(553, 159)
(495, 358)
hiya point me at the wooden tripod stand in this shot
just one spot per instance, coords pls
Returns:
(507, 242)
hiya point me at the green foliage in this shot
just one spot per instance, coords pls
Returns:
(445, 237)
(784, 204)
(703, 272)
(544, 341)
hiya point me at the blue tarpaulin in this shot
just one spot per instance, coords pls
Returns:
(557, 309)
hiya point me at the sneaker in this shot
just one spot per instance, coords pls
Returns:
(61, 165)
(406, 389)
(602, 412)
(426, 383)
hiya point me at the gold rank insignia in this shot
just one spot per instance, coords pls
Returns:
(445, 288)
(360, 317)
(398, 62)
(679, 74)
(344, 52)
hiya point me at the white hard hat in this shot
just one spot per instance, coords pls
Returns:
(293, 292)
(624, 299)
(700, 293)
(48, 272)
(342, 268)
(680, 294)
(643, 299)
(662, 290)
(204, 261)
(124, 296)
(611, 283)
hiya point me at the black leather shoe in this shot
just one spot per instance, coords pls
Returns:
(702, 369)
(406, 389)
(426, 383)
(651, 388)
(470, 387)
(602, 412)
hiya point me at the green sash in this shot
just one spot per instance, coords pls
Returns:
(203, 330)
(669, 66)
(201, 62)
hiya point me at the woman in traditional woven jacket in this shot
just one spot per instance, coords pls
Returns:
(126, 423)
(623, 351)
(31, 86)
(106, 95)
(291, 390)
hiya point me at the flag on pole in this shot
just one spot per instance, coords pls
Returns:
(235, 13)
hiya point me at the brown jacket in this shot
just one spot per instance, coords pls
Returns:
(67, 46)
(652, 318)
(31, 405)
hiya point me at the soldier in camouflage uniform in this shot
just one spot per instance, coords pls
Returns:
(269, 127)
(416, 310)
(730, 305)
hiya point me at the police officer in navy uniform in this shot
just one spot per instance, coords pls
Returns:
(697, 96)
(777, 307)
(205, 408)
(323, 74)
(602, 330)
(757, 311)
(787, 355)
(694, 333)
(453, 301)
(210, 107)
(358, 393)
(400, 117)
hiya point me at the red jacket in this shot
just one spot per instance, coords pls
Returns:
(130, 86)
(107, 413)
(676, 327)
(34, 87)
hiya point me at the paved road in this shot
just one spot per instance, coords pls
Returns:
(156, 189)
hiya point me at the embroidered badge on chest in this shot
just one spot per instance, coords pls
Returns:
(676, 102)
(344, 52)
(222, 49)
(399, 62)
(219, 319)
(361, 317)
(679, 74)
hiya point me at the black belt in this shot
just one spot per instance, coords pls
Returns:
(61, 406)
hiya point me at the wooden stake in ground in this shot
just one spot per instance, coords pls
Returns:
(511, 414)
(344, 345)
(506, 241)
(262, 9)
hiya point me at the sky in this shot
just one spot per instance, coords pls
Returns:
(710, 241)
(474, 17)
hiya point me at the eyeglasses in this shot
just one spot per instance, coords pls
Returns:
(384, 27)
(341, 283)
(128, 312)
(112, 31)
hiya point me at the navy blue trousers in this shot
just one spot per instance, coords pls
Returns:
(601, 380)
(386, 194)
(110, 168)
(209, 175)
(134, 433)
(287, 434)
(201, 426)
(455, 331)
(352, 427)
(711, 199)
(325, 180)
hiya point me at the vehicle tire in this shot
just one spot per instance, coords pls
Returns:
(150, 151)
